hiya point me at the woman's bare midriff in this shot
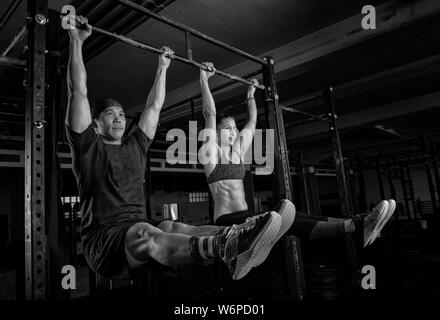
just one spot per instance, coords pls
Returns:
(228, 196)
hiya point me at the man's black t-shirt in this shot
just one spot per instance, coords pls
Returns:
(110, 177)
(110, 181)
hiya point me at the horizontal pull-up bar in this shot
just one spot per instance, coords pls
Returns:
(15, 40)
(12, 62)
(192, 31)
(293, 110)
(147, 47)
(213, 90)
(312, 97)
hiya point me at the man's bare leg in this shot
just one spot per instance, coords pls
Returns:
(242, 248)
(182, 228)
(144, 241)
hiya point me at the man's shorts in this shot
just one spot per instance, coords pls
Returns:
(104, 249)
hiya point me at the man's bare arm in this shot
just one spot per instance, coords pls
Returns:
(150, 116)
(78, 116)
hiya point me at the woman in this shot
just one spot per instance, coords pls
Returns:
(225, 171)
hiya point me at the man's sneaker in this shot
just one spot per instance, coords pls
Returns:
(388, 215)
(365, 224)
(249, 243)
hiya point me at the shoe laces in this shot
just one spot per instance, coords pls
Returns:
(238, 229)
(256, 217)
(231, 245)
(233, 236)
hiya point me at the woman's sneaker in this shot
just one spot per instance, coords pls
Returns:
(388, 215)
(366, 224)
(248, 244)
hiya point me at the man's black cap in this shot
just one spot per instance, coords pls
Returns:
(102, 104)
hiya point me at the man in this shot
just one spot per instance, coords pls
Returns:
(109, 170)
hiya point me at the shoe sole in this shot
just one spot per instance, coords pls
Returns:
(379, 220)
(288, 214)
(388, 215)
(260, 248)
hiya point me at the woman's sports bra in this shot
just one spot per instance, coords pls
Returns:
(227, 171)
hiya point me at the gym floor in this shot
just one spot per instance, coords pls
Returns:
(356, 84)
